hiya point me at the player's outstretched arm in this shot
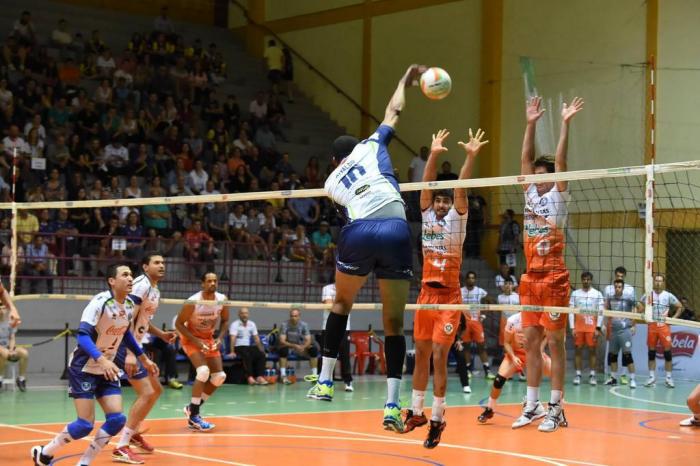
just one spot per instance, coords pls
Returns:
(472, 148)
(430, 172)
(533, 112)
(567, 113)
(398, 100)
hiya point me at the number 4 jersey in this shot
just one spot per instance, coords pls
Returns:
(365, 182)
(105, 321)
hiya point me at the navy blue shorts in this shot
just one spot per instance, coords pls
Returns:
(120, 358)
(90, 386)
(380, 245)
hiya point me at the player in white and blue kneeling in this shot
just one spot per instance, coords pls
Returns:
(92, 373)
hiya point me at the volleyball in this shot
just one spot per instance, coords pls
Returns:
(435, 83)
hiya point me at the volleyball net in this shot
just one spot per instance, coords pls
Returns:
(643, 218)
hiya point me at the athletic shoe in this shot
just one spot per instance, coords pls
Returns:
(592, 380)
(669, 383)
(39, 458)
(633, 383)
(141, 444)
(21, 384)
(530, 413)
(650, 381)
(392, 418)
(466, 389)
(348, 387)
(413, 420)
(489, 376)
(485, 416)
(261, 381)
(554, 419)
(311, 378)
(522, 378)
(125, 455)
(434, 434)
(286, 380)
(577, 380)
(692, 421)
(321, 391)
(198, 424)
(611, 381)
(174, 384)
(250, 380)
(623, 379)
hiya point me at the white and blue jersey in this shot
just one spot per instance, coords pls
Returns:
(361, 185)
(105, 321)
(364, 182)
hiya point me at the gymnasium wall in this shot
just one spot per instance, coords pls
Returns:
(197, 11)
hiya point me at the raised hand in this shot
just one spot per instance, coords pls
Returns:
(437, 146)
(412, 76)
(475, 143)
(568, 111)
(533, 111)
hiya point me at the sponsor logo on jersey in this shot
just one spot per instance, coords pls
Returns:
(682, 344)
(117, 330)
(361, 189)
(433, 236)
(448, 329)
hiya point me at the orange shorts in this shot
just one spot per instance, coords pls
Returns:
(508, 369)
(584, 338)
(190, 348)
(545, 289)
(659, 333)
(437, 326)
(474, 332)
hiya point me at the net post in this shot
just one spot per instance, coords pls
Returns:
(13, 227)
(649, 241)
(64, 375)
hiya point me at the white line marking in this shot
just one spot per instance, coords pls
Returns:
(165, 452)
(554, 461)
(613, 390)
(18, 442)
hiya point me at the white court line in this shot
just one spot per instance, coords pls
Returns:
(18, 442)
(542, 459)
(165, 452)
(613, 390)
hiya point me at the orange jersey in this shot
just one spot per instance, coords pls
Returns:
(514, 332)
(442, 241)
(545, 221)
(202, 322)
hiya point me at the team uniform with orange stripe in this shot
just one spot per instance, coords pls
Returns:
(515, 336)
(202, 324)
(475, 329)
(442, 241)
(659, 331)
(546, 281)
(584, 325)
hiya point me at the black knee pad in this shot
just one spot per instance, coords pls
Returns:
(283, 351)
(499, 382)
(627, 359)
(652, 355)
(612, 358)
(668, 356)
(313, 351)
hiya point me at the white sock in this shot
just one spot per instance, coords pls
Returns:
(101, 439)
(533, 395)
(555, 397)
(196, 400)
(393, 387)
(417, 402)
(327, 369)
(125, 439)
(592, 372)
(491, 403)
(283, 371)
(438, 408)
(631, 376)
(668, 375)
(613, 375)
(314, 371)
(205, 397)
(578, 372)
(21, 378)
(57, 442)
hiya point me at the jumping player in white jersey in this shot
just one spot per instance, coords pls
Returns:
(444, 228)
(196, 324)
(376, 238)
(546, 281)
(92, 373)
(146, 295)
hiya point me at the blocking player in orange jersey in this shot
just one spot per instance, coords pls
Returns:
(514, 362)
(443, 232)
(196, 324)
(546, 281)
